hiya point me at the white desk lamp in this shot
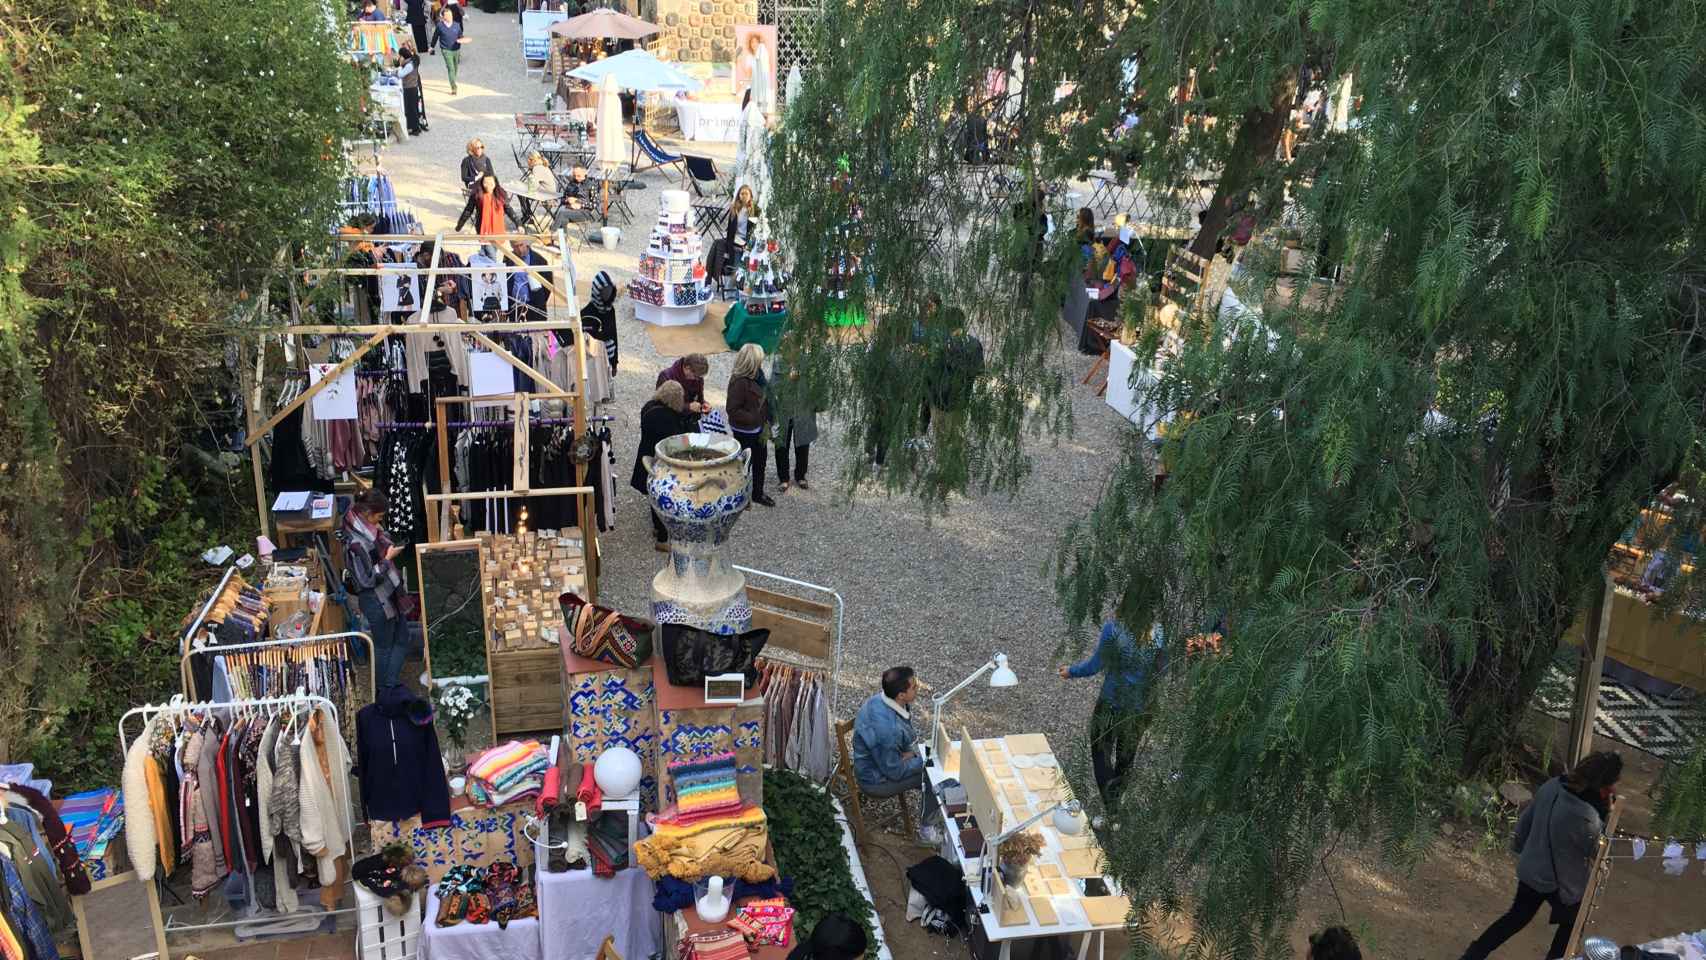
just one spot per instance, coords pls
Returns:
(1002, 677)
(1068, 820)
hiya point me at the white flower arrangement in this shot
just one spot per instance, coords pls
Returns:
(457, 705)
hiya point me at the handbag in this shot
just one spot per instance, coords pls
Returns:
(608, 636)
(691, 654)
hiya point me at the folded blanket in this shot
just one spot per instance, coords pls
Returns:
(483, 796)
(494, 763)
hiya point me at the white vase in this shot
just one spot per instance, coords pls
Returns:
(699, 486)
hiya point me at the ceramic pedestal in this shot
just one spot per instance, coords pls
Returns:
(699, 486)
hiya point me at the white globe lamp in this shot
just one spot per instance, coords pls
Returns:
(617, 772)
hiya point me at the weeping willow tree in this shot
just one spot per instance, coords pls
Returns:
(1394, 493)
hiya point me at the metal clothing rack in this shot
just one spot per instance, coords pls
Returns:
(188, 680)
(212, 598)
(840, 605)
(256, 916)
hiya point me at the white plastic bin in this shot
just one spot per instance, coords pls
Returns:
(383, 934)
(610, 236)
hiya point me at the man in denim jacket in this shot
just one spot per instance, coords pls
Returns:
(885, 758)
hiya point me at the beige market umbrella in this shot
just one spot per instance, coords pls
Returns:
(601, 24)
(612, 145)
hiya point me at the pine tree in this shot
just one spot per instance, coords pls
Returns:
(1394, 495)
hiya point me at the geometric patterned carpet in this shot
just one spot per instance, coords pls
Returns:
(1662, 726)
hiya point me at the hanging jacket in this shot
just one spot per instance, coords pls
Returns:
(140, 835)
(398, 760)
(325, 773)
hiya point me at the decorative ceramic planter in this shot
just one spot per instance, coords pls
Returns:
(699, 486)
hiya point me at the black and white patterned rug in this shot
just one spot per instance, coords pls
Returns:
(1660, 725)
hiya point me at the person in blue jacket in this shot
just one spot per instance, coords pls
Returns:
(885, 747)
(1123, 710)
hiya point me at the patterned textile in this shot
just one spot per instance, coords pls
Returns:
(691, 734)
(764, 922)
(474, 836)
(704, 788)
(713, 945)
(507, 772)
(728, 846)
(613, 708)
(32, 925)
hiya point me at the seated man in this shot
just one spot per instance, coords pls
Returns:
(885, 757)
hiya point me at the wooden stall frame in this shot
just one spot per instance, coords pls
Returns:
(563, 311)
(796, 634)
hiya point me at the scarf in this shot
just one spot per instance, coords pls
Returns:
(491, 213)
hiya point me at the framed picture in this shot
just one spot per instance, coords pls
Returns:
(119, 919)
(400, 289)
(725, 688)
(755, 63)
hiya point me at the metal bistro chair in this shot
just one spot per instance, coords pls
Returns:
(712, 214)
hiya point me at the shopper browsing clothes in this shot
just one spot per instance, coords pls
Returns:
(447, 36)
(377, 585)
(690, 372)
(1556, 840)
(796, 424)
(663, 416)
(409, 69)
(884, 761)
(749, 413)
(1123, 709)
(598, 317)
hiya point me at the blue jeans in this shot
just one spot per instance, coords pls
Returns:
(390, 643)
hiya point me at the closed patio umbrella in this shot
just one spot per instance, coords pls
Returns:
(612, 145)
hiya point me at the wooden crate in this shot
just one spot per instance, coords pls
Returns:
(527, 691)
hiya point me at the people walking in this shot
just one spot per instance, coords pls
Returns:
(417, 16)
(1556, 841)
(796, 424)
(749, 413)
(447, 36)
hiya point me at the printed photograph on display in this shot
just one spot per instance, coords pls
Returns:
(400, 293)
(755, 44)
(491, 292)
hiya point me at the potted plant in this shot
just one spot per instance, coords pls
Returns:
(1016, 855)
(457, 706)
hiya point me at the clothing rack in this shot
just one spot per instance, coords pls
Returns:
(779, 648)
(535, 421)
(206, 608)
(282, 646)
(178, 705)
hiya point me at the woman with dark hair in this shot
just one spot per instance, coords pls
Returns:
(834, 938)
(408, 62)
(1556, 841)
(489, 208)
(377, 585)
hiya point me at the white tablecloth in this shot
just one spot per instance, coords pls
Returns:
(708, 120)
(578, 910)
(485, 941)
(1127, 396)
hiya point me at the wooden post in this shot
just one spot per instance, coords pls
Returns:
(1601, 865)
(248, 383)
(1596, 633)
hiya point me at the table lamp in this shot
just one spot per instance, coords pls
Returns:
(1003, 676)
(1067, 820)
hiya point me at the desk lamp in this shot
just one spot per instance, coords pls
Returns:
(1067, 820)
(1003, 676)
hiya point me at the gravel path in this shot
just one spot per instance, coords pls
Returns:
(940, 594)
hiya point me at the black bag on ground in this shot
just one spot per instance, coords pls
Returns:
(942, 884)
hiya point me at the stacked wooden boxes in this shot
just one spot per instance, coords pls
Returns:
(522, 576)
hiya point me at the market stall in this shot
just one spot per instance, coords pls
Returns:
(1014, 785)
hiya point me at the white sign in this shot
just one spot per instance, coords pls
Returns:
(337, 399)
(492, 375)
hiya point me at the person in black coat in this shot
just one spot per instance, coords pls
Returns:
(397, 758)
(663, 416)
(743, 217)
(503, 217)
(475, 166)
(598, 317)
(417, 22)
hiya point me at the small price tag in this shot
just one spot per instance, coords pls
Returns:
(580, 810)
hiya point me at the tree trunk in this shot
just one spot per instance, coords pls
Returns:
(1252, 149)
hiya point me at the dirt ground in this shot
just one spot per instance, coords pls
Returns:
(1432, 912)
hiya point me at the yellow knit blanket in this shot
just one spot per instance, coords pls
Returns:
(726, 846)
